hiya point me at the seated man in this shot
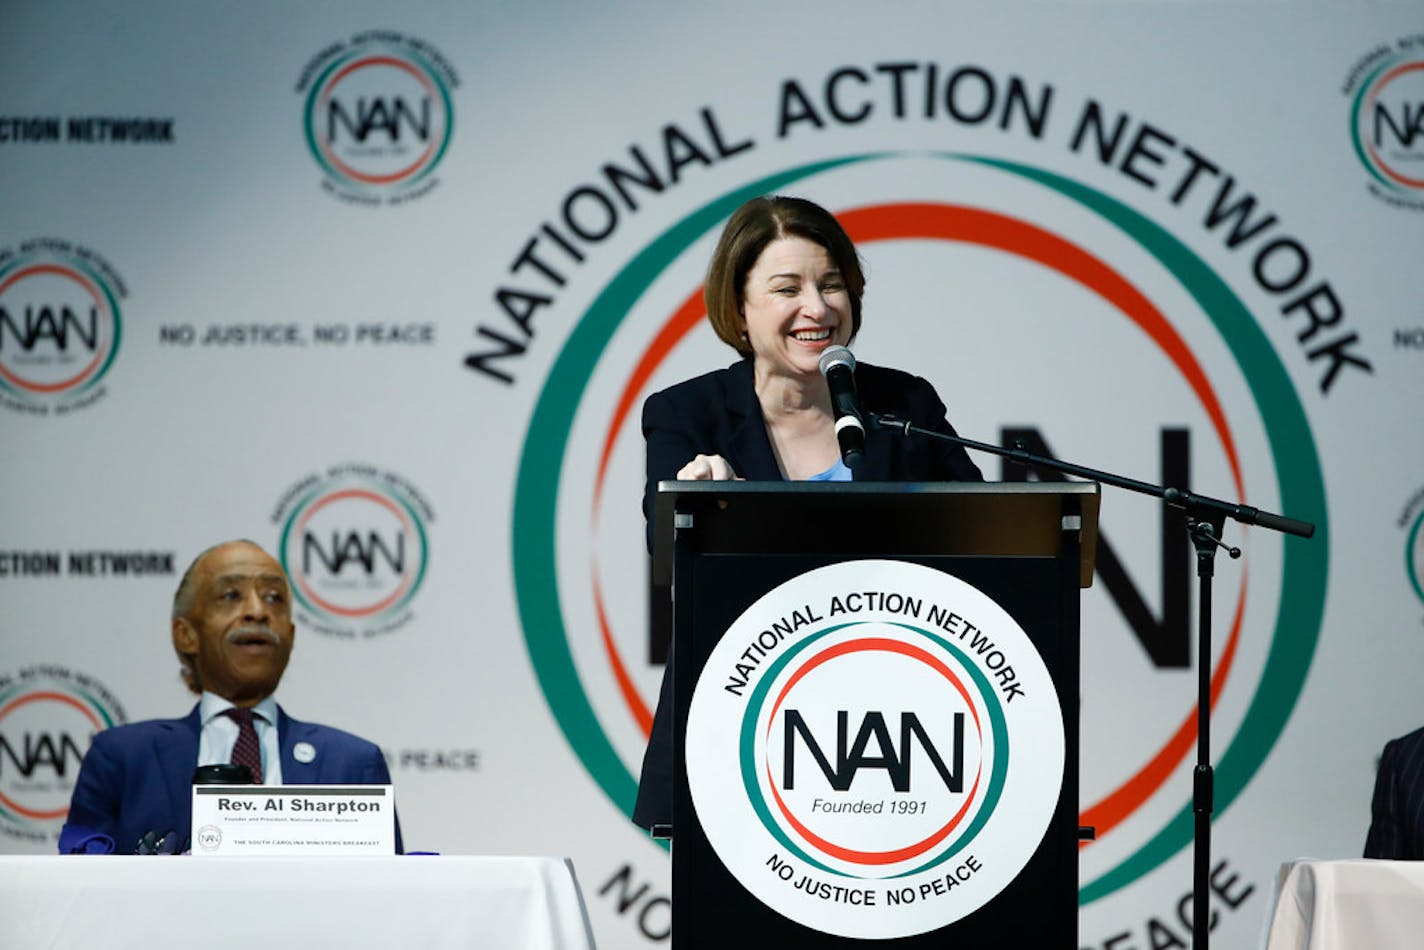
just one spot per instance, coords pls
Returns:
(1397, 813)
(233, 632)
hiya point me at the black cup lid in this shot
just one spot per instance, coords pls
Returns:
(223, 774)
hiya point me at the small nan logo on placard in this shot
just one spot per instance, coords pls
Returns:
(209, 837)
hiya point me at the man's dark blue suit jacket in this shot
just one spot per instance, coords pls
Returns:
(138, 778)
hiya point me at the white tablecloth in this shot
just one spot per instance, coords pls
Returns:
(252, 903)
(1347, 905)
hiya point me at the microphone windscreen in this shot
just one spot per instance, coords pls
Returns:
(834, 356)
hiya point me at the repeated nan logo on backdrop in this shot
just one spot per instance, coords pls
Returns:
(48, 716)
(1386, 93)
(354, 544)
(891, 779)
(60, 326)
(378, 116)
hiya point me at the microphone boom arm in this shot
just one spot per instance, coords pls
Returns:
(1203, 507)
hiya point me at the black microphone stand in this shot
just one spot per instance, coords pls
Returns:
(1205, 519)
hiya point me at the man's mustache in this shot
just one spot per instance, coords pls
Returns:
(241, 635)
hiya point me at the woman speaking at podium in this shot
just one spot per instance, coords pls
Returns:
(784, 287)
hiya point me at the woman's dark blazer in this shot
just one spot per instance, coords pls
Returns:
(718, 414)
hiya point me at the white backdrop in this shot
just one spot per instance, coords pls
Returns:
(382, 290)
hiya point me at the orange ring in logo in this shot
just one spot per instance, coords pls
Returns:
(920, 847)
(98, 357)
(420, 77)
(383, 502)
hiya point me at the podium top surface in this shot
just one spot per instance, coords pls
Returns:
(889, 518)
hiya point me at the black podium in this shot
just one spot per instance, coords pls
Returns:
(719, 546)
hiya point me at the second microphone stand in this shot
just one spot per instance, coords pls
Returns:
(1205, 519)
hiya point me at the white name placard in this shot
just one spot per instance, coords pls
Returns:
(294, 819)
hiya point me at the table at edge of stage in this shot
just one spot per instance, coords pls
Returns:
(1346, 904)
(156, 902)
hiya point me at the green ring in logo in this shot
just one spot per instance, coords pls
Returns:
(1305, 564)
(1415, 571)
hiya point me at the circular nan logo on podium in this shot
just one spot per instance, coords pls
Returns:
(1414, 545)
(875, 749)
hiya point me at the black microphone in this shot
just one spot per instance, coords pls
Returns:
(838, 366)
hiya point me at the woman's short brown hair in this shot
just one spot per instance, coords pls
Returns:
(749, 230)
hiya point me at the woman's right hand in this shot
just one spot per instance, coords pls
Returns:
(705, 468)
